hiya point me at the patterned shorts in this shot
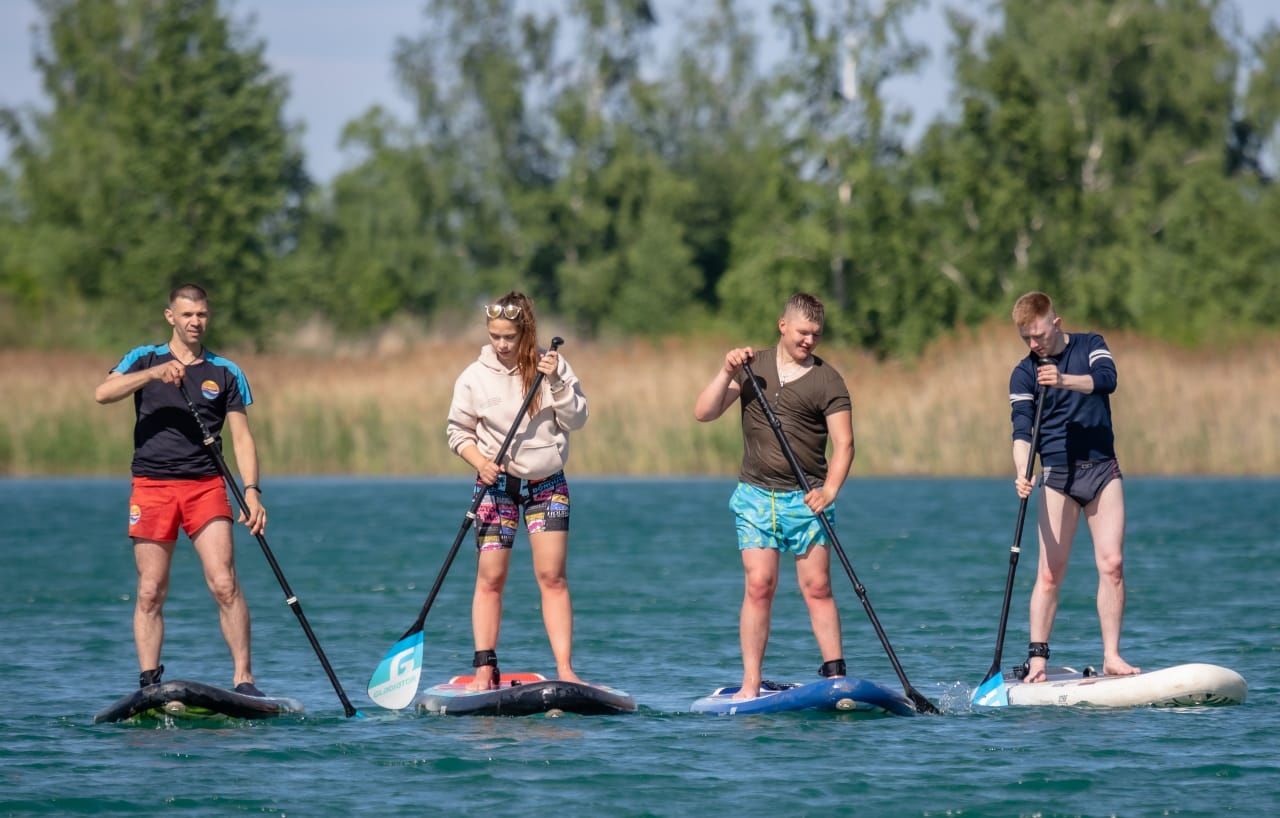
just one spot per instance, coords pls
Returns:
(545, 503)
(777, 519)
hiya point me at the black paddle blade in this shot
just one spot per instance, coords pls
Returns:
(922, 704)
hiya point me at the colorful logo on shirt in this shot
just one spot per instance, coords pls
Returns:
(209, 389)
(135, 514)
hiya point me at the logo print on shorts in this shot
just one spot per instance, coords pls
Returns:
(209, 389)
(135, 514)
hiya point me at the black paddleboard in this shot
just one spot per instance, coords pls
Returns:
(523, 694)
(185, 699)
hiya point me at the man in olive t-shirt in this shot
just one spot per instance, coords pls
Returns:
(772, 513)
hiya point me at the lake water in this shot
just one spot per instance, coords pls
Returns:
(656, 584)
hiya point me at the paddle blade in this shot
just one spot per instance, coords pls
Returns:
(395, 681)
(922, 704)
(991, 693)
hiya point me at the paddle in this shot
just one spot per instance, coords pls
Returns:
(921, 704)
(395, 681)
(994, 672)
(290, 597)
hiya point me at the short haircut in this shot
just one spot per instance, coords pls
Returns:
(191, 292)
(1031, 306)
(806, 306)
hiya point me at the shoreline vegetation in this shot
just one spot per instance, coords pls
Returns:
(1177, 411)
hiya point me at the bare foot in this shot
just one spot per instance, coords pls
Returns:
(747, 691)
(1115, 666)
(569, 676)
(1035, 670)
(483, 679)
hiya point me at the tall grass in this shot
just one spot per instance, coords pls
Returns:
(1176, 412)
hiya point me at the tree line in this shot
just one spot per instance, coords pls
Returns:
(1117, 155)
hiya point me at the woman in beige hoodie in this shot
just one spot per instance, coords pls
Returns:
(486, 398)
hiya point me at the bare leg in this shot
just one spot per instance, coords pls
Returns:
(1059, 518)
(153, 560)
(486, 608)
(760, 567)
(550, 556)
(1105, 516)
(813, 571)
(213, 543)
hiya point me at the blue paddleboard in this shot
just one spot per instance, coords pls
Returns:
(844, 695)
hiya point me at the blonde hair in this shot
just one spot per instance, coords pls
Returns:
(806, 306)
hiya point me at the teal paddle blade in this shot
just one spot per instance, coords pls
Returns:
(395, 681)
(992, 693)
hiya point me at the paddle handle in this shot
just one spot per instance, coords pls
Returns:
(556, 342)
(922, 704)
(211, 445)
(1016, 549)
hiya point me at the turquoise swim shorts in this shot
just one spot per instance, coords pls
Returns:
(776, 519)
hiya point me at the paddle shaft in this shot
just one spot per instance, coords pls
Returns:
(475, 503)
(1016, 549)
(211, 445)
(922, 704)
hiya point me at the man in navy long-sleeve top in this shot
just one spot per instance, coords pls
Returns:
(1077, 453)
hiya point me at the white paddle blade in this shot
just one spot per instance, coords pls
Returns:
(395, 682)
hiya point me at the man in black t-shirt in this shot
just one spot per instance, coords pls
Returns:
(176, 482)
(772, 513)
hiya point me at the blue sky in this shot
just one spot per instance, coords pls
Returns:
(337, 56)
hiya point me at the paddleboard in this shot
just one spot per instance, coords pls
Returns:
(522, 694)
(1188, 685)
(842, 694)
(185, 699)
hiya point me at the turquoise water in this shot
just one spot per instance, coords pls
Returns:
(656, 584)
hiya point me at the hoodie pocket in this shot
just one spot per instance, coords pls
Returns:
(536, 459)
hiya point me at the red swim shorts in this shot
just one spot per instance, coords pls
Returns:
(158, 507)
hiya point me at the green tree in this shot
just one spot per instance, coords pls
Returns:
(834, 214)
(1094, 157)
(163, 158)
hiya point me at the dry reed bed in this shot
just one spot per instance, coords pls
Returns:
(946, 413)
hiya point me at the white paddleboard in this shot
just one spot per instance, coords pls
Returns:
(1190, 685)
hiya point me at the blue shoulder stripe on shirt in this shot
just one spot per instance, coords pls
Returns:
(218, 360)
(133, 355)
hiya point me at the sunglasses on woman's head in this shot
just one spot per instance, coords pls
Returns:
(507, 311)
